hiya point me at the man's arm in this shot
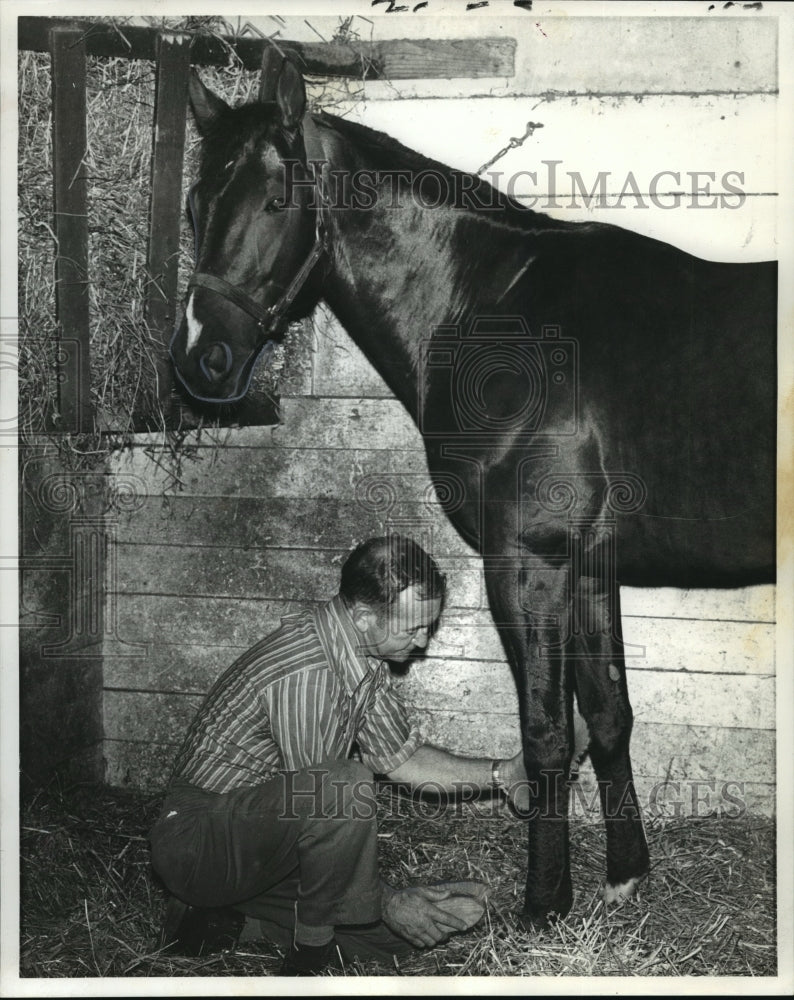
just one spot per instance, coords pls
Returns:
(446, 771)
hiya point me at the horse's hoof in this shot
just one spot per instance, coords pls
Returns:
(534, 923)
(616, 894)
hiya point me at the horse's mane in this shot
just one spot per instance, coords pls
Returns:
(386, 153)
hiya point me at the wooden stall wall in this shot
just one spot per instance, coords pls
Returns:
(61, 627)
(255, 522)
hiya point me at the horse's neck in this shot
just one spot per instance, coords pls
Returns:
(399, 270)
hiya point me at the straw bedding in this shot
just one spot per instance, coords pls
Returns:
(91, 905)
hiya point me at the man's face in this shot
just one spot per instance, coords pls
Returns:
(405, 629)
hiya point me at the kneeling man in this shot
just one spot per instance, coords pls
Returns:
(271, 810)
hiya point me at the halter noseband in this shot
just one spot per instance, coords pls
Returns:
(267, 316)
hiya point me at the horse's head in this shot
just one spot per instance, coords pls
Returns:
(258, 234)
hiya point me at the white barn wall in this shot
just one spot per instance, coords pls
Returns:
(262, 520)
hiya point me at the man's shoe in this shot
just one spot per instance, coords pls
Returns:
(197, 930)
(310, 960)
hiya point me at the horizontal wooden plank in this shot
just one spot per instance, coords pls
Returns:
(138, 766)
(278, 574)
(395, 59)
(648, 54)
(740, 701)
(565, 52)
(671, 751)
(156, 718)
(681, 752)
(651, 644)
(147, 766)
(289, 472)
(742, 604)
(307, 524)
(296, 522)
(423, 58)
(178, 667)
(345, 423)
(734, 701)
(164, 621)
(272, 574)
(677, 750)
(189, 641)
(662, 797)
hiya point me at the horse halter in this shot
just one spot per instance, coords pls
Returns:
(267, 317)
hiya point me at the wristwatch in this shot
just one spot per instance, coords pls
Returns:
(496, 779)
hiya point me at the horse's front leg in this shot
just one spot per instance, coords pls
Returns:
(530, 605)
(603, 701)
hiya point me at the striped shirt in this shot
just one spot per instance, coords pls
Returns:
(303, 694)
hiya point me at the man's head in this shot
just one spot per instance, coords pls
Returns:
(394, 592)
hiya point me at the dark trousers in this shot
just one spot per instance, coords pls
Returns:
(304, 842)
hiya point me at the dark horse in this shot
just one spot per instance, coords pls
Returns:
(603, 404)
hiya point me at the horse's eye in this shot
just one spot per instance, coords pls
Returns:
(276, 205)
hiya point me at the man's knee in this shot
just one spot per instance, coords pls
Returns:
(339, 789)
(353, 786)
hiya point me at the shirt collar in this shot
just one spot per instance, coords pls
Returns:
(342, 642)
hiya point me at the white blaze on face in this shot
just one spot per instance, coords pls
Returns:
(194, 328)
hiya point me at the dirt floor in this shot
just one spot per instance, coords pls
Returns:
(91, 905)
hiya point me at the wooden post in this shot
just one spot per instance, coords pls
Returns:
(170, 109)
(67, 50)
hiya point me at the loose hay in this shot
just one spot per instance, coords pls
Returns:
(125, 353)
(91, 905)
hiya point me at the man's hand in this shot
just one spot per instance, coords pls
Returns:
(427, 915)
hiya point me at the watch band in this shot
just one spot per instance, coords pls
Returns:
(496, 779)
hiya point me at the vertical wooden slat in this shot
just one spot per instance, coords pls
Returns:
(173, 67)
(67, 50)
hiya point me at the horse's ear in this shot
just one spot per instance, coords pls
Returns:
(207, 107)
(272, 61)
(291, 95)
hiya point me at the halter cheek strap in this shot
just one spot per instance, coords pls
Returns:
(267, 317)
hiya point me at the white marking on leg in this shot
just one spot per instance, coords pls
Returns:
(621, 892)
(194, 328)
(581, 736)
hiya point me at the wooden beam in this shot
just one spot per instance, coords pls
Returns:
(165, 206)
(394, 59)
(71, 227)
